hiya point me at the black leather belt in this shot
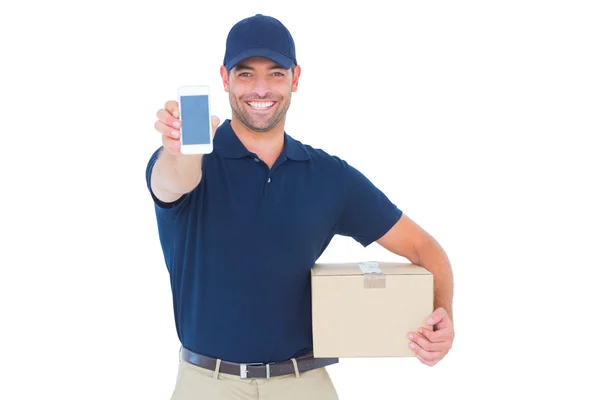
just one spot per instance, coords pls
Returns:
(253, 371)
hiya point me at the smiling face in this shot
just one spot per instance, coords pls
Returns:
(260, 92)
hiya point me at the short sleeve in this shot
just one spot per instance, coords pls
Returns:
(366, 213)
(162, 208)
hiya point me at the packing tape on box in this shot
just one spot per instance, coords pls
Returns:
(374, 278)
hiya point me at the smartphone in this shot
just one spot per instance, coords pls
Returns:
(194, 112)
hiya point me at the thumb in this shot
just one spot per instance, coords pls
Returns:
(214, 120)
(438, 317)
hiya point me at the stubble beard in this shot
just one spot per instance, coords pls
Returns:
(237, 107)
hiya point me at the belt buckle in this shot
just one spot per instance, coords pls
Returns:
(244, 370)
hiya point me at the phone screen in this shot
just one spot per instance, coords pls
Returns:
(195, 120)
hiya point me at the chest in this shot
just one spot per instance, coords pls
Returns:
(293, 197)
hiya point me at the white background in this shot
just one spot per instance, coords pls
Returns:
(479, 119)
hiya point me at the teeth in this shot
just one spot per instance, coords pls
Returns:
(261, 104)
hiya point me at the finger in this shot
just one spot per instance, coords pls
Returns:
(425, 344)
(166, 118)
(441, 335)
(427, 355)
(173, 146)
(167, 130)
(214, 121)
(437, 316)
(173, 108)
(429, 363)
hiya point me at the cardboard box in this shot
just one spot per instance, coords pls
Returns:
(367, 309)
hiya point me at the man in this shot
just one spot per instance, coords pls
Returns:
(241, 227)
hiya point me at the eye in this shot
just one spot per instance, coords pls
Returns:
(278, 74)
(244, 74)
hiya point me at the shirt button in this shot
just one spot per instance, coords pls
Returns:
(269, 180)
(257, 160)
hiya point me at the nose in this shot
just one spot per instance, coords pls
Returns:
(261, 87)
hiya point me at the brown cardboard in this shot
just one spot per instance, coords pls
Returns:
(358, 314)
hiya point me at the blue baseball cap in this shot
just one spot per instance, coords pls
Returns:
(260, 36)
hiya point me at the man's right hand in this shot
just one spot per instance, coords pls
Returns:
(175, 174)
(169, 125)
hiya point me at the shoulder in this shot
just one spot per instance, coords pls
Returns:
(332, 165)
(327, 166)
(325, 159)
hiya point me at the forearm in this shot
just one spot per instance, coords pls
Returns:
(177, 174)
(433, 258)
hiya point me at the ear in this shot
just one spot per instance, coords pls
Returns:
(297, 71)
(225, 78)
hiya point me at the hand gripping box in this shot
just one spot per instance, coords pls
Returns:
(366, 309)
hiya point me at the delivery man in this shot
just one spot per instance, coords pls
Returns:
(241, 228)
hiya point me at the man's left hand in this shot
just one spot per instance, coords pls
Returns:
(431, 345)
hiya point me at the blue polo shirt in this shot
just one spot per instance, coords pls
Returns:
(239, 248)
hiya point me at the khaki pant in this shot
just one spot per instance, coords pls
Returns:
(194, 383)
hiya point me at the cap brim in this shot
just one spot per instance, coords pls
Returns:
(274, 56)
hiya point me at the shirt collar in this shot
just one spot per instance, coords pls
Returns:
(228, 145)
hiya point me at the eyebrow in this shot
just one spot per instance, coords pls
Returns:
(247, 67)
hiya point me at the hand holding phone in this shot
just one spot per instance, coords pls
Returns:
(169, 125)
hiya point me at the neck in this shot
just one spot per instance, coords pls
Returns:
(267, 145)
